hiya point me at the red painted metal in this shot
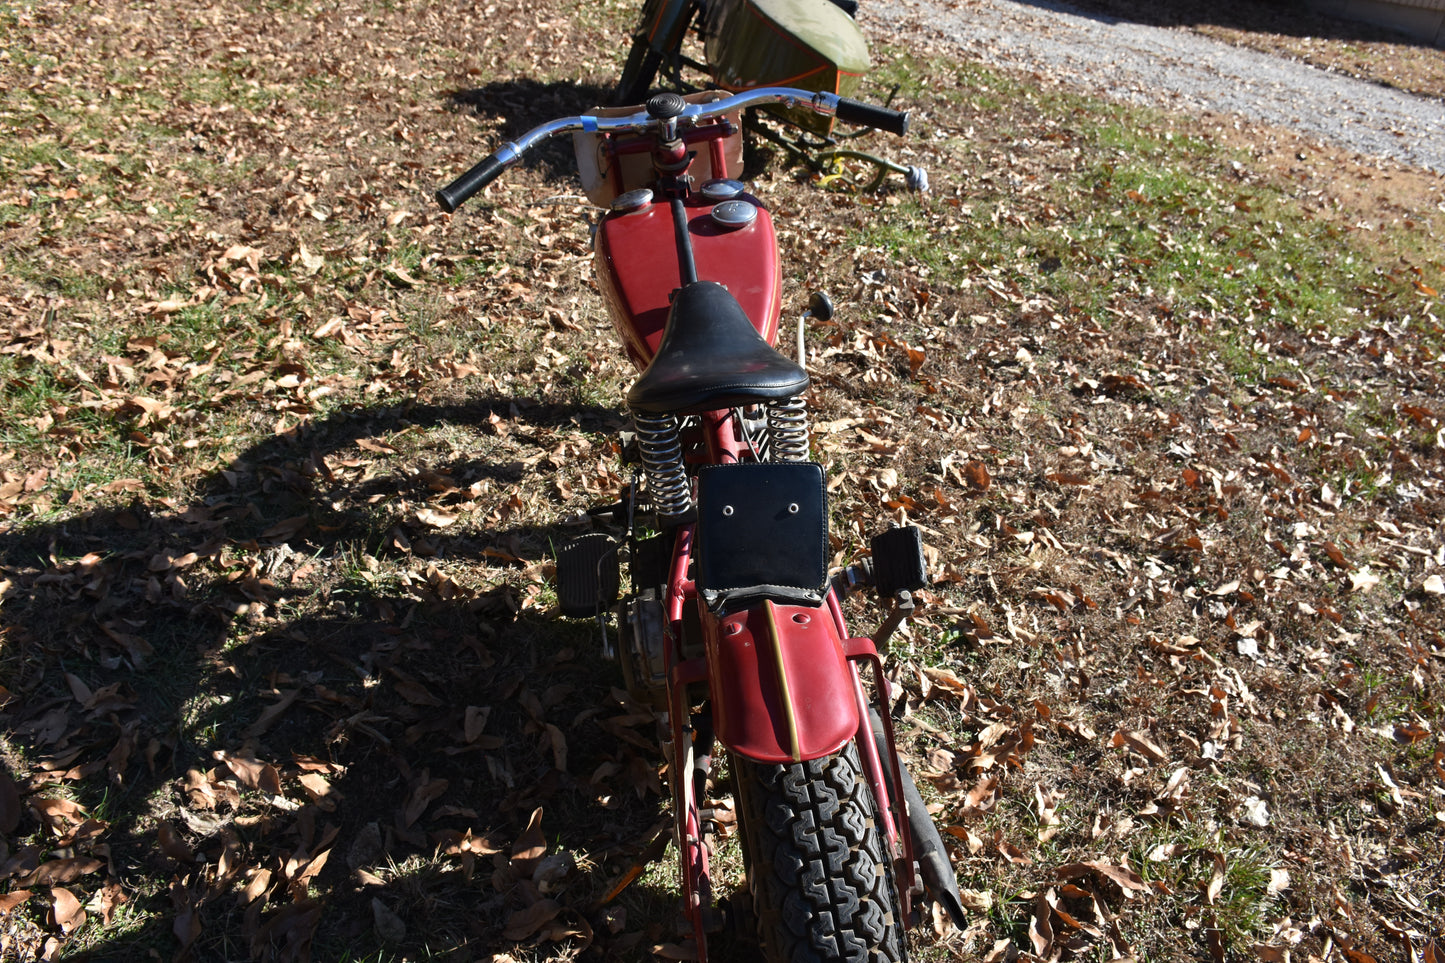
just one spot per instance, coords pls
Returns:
(637, 269)
(751, 714)
(889, 792)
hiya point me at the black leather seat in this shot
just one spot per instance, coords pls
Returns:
(712, 357)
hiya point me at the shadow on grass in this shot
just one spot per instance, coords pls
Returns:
(523, 104)
(287, 621)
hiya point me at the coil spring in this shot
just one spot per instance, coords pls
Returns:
(788, 429)
(660, 446)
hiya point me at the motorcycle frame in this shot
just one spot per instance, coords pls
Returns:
(685, 676)
(690, 680)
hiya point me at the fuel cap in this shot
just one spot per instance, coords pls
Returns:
(632, 201)
(721, 189)
(734, 214)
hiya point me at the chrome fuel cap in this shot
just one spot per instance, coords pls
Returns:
(721, 189)
(632, 201)
(734, 214)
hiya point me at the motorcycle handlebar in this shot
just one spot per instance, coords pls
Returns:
(849, 111)
(452, 196)
(871, 115)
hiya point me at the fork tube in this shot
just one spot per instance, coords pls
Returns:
(717, 157)
(686, 266)
(867, 746)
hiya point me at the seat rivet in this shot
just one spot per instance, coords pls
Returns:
(727, 510)
(793, 508)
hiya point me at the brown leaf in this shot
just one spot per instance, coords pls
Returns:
(200, 792)
(271, 714)
(312, 868)
(59, 814)
(947, 680)
(390, 927)
(286, 528)
(292, 927)
(983, 795)
(1011, 852)
(57, 872)
(531, 844)
(12, 899)
(976, 476)
(1128, 880)
(251, 772)
(1216, 882)
(1334, 553)
(65, 910)
(525, 922)
(319, 790)
(173, 845)
(1041, 931)
(1139, 743)
(416, 693)
(256, 887)
(422, 797)
(1066, 478)
(559, 747)
(473, 722)
(78, 689)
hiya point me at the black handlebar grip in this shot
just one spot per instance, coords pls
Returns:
(868, 115)
(454, 194)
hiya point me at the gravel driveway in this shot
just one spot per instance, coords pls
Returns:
(1180, 70)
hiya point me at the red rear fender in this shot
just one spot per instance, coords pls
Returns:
(782, 690)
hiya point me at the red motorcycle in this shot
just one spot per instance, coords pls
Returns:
(731, 626)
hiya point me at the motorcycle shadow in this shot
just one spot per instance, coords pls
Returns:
(286, 715)
(522, 104)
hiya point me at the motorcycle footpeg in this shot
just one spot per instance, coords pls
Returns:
(587, 575)
(898, 563)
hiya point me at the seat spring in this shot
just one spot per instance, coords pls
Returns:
(788, 429)
(659, 443)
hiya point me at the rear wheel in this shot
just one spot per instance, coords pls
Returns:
(638, 73)
(821, 881)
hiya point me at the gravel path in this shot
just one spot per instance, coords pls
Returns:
(1181, 70)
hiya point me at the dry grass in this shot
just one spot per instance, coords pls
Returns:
(287, 453)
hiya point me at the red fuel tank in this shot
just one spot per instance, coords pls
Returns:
(638, 268)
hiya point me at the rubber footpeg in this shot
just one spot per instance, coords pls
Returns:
(898, 563)
(587, 575)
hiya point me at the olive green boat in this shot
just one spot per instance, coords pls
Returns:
(809, 44)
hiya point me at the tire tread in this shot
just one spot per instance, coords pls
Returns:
(821, 883)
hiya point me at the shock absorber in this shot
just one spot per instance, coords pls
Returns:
(788, 429)
(660, 445)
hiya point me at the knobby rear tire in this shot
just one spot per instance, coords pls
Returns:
(821, 881)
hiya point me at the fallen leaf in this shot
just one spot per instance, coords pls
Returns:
(423, 796)
(57, 872)
(389, 926)
(65, 910)
(12, 899)
(531, 844)
(1363, 580)
(1139, 743)
(525, 922)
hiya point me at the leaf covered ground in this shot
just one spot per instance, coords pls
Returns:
(287, 454)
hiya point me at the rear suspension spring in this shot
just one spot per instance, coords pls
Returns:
(788, 429)
(659, 443)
